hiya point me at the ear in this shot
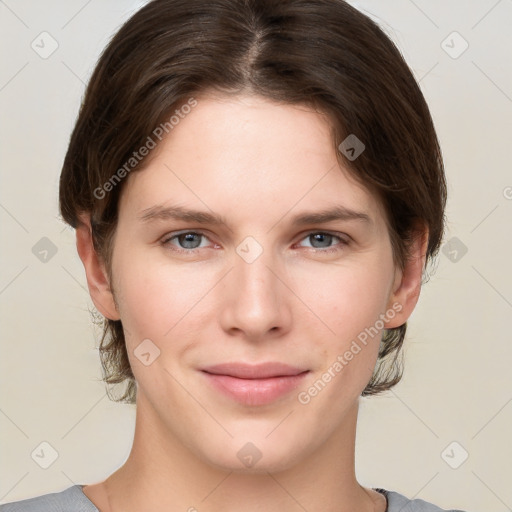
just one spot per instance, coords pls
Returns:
(97, 277)
(407, 283)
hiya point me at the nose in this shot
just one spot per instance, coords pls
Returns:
(256, 302)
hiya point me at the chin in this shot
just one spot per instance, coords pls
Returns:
(260, 456)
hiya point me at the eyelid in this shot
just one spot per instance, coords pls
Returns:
(344, 240)
(166, 239)
(343, 237)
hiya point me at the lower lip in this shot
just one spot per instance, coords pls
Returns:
(255, 391)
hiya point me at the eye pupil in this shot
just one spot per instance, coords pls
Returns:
(188, 238)
(322, 238)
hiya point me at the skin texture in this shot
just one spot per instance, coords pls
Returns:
(258, 164)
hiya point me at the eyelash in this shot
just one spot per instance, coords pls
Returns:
(168, 238)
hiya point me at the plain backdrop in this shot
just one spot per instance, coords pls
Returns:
(442, 434)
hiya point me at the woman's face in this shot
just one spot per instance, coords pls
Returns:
(267, 284)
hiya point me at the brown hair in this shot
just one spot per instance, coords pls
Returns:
(324, 54)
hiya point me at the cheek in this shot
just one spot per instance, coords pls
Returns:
(155, 298)
(347, 298)
(160, 303)
(349, 301)
(159, 300)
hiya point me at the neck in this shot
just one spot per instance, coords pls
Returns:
(161, 474)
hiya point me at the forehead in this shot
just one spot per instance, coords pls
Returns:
(247, 154)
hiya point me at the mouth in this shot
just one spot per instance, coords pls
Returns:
(254, 384)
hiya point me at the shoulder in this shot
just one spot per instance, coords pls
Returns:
(399, 503)
(71, 499)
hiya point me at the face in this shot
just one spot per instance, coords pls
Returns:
(259, 323)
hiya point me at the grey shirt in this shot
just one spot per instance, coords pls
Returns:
(73, 499)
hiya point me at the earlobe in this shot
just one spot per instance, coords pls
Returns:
(407, 283)
(97, 278)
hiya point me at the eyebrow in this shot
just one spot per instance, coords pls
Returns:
(330, 214)
(160, 212)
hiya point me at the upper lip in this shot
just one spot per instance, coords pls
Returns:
(254, 371)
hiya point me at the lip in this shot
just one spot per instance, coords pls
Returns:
(254, 384)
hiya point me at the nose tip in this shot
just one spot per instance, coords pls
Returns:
(253, 297)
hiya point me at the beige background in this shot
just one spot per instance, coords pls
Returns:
(457, 385)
